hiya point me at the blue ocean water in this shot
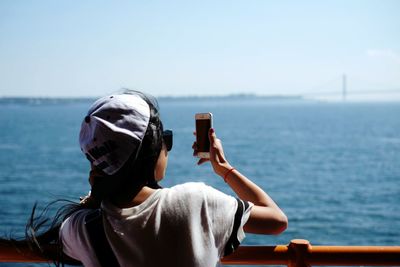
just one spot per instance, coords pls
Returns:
(334, 168)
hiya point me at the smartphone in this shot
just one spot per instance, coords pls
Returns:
(203, 125)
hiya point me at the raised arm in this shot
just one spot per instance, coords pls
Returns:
(265, 216)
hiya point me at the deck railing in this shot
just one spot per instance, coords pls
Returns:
(299, 253)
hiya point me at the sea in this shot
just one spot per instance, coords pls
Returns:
(332, 167)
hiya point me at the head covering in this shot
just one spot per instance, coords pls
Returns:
(113, 130)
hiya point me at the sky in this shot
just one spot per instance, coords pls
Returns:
(171, 48)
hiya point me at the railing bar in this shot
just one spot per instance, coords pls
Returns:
(347, 256)
(288, 255)
(276, 255)
(352, 255)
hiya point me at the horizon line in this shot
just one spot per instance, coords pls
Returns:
(232, 95)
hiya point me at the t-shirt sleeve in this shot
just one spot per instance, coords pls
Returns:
(69, 236)
(228, 215)
(75, 240)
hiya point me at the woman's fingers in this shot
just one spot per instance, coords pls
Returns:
(215, 144)
(202, 160)
(215, 149)
(211, 135)
(194, 147)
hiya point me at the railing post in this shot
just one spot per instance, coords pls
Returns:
(298, 251)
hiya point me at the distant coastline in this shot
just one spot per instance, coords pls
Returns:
(230, 97)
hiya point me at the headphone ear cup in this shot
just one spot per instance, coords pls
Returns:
(156, 136)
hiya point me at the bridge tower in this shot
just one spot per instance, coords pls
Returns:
(344, 87)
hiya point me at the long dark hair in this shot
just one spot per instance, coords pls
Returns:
(42, 233)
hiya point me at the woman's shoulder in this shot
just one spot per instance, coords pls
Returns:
(75, 220)
(194, 190)
(191, 188)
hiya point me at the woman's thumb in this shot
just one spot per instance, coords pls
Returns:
(211, 135)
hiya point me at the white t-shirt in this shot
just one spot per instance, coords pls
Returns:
(190, 224)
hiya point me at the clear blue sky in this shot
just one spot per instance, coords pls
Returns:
(91, 48)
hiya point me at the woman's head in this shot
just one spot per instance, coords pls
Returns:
(122, 137)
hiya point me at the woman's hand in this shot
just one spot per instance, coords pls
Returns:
(265, 216)
(217, 156)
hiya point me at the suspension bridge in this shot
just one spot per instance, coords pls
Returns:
(338, 88)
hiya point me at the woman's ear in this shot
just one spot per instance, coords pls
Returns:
(161, 164)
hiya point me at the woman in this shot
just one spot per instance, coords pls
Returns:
(129, 220)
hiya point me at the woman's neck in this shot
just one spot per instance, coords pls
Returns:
(140, 197)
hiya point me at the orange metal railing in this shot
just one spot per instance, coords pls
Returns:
(299, 253)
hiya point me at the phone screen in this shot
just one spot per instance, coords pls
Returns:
(202, 128)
